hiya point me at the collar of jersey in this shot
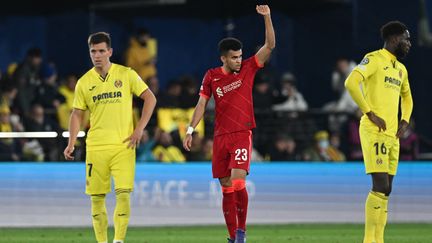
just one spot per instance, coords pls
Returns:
(108, 73)
(388, 54)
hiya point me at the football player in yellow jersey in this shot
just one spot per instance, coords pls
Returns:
(106, 91)
(376, 85)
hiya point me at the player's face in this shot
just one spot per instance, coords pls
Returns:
(403, 46)
(100, 54)
(233, 60)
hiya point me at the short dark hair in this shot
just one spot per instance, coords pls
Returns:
(229, 44)
(34, 52)
(99, 37)
(392, 28)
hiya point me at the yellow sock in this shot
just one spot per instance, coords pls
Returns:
(99, 217)
(372, 212)
(121, 214)
(382, 221)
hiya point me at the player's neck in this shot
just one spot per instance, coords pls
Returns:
(103, 71)
(226, 70)
(390, 49)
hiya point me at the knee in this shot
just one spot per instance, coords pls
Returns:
(95, 198)
(238, 184)
(389, 190)
(123, 194)
(385, 189)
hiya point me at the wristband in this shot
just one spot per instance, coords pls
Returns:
(190, 130)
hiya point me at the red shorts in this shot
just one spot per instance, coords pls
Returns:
(231, 150)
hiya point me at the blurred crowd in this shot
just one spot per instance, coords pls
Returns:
(34, 99)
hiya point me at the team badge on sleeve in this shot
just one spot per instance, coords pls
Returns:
(365, 61)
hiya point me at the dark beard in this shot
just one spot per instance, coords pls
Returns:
(400, 53)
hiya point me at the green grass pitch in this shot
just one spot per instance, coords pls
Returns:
(301, 233)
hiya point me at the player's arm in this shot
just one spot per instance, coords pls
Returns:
(264, 52)
(196, 118)
(352, 84)
(407, 105)
(146, 113)
(74, 127)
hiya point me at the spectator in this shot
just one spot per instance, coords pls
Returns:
(144, 150)
(166, 152)
(344, 103)
(189, 95)
(171, 98)
(47, 94)
(284, 149)
(293, 99)
(341, 71)
(141, 54)
(27, 78)
(67, 90)
(38, 122)
(322, 150)
(9, 147)
(262, 95)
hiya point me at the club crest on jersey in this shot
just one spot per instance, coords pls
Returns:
(118, 83)
(219, 92)
(379, 161)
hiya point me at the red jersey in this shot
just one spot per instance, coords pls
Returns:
(233, 96)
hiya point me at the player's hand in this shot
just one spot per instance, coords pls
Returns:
(134, 139)
(377, 121)
(68, 152)
(187, 142)
(403, 126)
(263, 9)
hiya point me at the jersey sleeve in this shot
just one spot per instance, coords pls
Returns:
(79, 97)
(205, 90)
(253, 63)
(137, 85)
(367, 66)
(406, 99)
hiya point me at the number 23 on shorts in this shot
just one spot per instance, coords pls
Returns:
(241, 154)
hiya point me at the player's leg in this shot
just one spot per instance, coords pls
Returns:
(377, 165)
(240, 163)
(393, 150)
(99, 217)
(98, 183)
(238, 179)
(375, 202)
(123, 171)
(229, 206)
(220, 168)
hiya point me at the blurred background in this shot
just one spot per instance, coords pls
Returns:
(306, 145)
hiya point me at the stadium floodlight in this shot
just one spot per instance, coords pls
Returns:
(80, 134)
(28, 134)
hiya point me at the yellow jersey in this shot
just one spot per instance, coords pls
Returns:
(385, 81)
(109, 101)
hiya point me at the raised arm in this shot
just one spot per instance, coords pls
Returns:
(264, 52)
